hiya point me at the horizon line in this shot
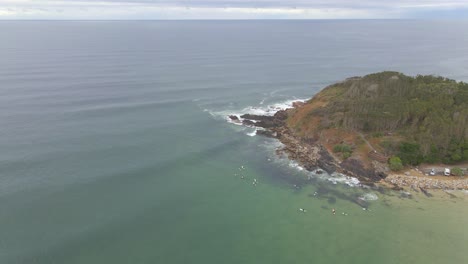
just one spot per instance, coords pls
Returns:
(239, 19)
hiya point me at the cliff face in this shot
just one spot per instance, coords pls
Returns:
(380, 112)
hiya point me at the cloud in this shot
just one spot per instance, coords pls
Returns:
(226, 9)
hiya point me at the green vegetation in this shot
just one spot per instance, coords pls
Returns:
(457, 171)
(346, 155)
(419, 119)
(395, 163)
(410, 154)
(344, 149)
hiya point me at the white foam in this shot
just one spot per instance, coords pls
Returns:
(295, 165)
(252, 134)
(235, 122)
(344, 179)
(369, 197)
(268, 110)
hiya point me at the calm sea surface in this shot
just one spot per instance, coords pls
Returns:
(114, 147)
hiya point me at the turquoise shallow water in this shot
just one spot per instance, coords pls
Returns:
(114, 148)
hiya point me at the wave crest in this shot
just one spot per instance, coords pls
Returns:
(369, 197)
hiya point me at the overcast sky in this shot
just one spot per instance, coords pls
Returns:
(231, 9)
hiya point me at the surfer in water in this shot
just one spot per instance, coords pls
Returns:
(333, 211)
(302, 210)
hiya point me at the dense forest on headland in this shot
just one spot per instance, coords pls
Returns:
(418, 119)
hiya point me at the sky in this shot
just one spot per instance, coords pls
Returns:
(231, 9)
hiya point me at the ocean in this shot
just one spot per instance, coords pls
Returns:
(115, 148)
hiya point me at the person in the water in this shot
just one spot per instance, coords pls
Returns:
(333, 211)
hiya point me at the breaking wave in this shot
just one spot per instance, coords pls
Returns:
(252, 134)
(266, 110)
(344, 179)
(369, 197)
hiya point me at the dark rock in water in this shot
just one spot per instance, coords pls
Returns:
(381, 189)
(234, 118)
(361, 202)
(331, 200)
(256, 117)
(425, 192)
(247, 122)
(268, 121)
(319, 171)
(262, 121)
(309, 167)
(404, 194)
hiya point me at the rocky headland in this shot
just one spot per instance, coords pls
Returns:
(355, 126)
(309, 154)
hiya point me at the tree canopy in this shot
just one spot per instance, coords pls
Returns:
(427, 115)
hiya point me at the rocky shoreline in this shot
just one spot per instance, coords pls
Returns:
(309, 154)
(313, 156)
